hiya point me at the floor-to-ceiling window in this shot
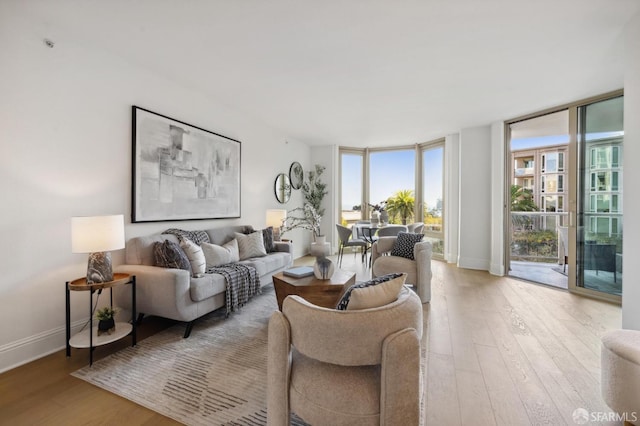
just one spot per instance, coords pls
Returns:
(433, 196)
(395, 185)
(351, 188)
(392, 177)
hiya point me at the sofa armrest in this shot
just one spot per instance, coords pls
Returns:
(160, 291)
(283, 246)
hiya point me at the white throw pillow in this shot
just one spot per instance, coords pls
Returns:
(220, 255)
(195, 255)
(251, 245)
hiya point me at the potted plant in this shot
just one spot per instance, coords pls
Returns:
(314, 190)
(106, 321)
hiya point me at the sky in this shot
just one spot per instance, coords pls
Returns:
(391, 171)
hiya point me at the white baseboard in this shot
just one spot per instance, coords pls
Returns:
(23, 351)
(497, 269)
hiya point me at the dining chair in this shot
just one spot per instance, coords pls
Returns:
(391, 230)
(345, 234)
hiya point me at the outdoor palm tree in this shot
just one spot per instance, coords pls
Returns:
(401, 204)
(522, 200)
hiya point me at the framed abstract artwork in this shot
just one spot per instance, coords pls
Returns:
(182, 172)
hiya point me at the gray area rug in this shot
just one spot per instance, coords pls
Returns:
(215, 377)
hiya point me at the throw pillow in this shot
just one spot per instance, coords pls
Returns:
(403, 246)
(250, 245)
(267, 237)
(195, 255)
(376, 292)
(216, 255)
(169, 255)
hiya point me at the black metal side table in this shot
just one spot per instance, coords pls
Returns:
(89, 338)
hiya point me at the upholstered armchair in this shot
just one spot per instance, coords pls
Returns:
(418, 270)
(351, 367)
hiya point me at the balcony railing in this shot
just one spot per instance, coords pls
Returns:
(535, 236)
(523, 171)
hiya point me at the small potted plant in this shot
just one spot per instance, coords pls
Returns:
(106, 322)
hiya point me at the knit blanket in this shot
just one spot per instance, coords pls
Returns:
(242, 283)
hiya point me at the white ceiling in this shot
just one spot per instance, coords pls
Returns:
(362, 73)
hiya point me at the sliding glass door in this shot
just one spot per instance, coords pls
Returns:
(565, 215)
(600, 186)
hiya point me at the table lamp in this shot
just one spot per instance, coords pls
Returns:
(97, 235)
(276, 218)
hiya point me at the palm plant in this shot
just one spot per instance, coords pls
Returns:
(401, 204)
(522, 200)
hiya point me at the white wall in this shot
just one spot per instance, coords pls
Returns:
(66, 151)
(474, 246)
(328, 156)
(631, 196)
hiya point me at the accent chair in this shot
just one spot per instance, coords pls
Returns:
(418, 270)
(351, 367)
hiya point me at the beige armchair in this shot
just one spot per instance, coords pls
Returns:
(418, 270)
(353, 367)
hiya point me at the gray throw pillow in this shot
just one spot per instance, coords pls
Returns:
(403, 246)
(169, 255)
(267, 238)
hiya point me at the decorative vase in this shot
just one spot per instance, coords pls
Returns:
(323, 268)
(321, 239)
(106, 326)
(384, 217)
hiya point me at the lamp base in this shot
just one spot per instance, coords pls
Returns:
(99, 269)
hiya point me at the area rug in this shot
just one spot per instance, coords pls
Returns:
(215, 377)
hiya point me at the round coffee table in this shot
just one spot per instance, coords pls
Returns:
(325, 293)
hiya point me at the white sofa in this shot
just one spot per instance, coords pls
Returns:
(174, 293)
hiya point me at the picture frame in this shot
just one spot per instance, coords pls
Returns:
(181, 171)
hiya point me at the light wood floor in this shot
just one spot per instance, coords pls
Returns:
(500, 352)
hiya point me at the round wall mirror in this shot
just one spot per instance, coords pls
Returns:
(282, 188)
(296, 175)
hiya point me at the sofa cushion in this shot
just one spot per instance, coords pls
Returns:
(216, 255)
(168, 254)
(195, 256)
(250, 245)
(202, 288)
(371, 297)
(269, 263)
(403, 246)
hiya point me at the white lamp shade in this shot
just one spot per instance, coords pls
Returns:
(275, 217)
(92, 234)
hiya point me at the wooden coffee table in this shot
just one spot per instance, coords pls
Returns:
(325, 293)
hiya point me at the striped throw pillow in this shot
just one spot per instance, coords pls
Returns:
(195, 255)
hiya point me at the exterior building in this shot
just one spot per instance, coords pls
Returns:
(603, 186)
(543, 171)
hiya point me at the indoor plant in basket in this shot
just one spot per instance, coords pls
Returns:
(106, 321)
